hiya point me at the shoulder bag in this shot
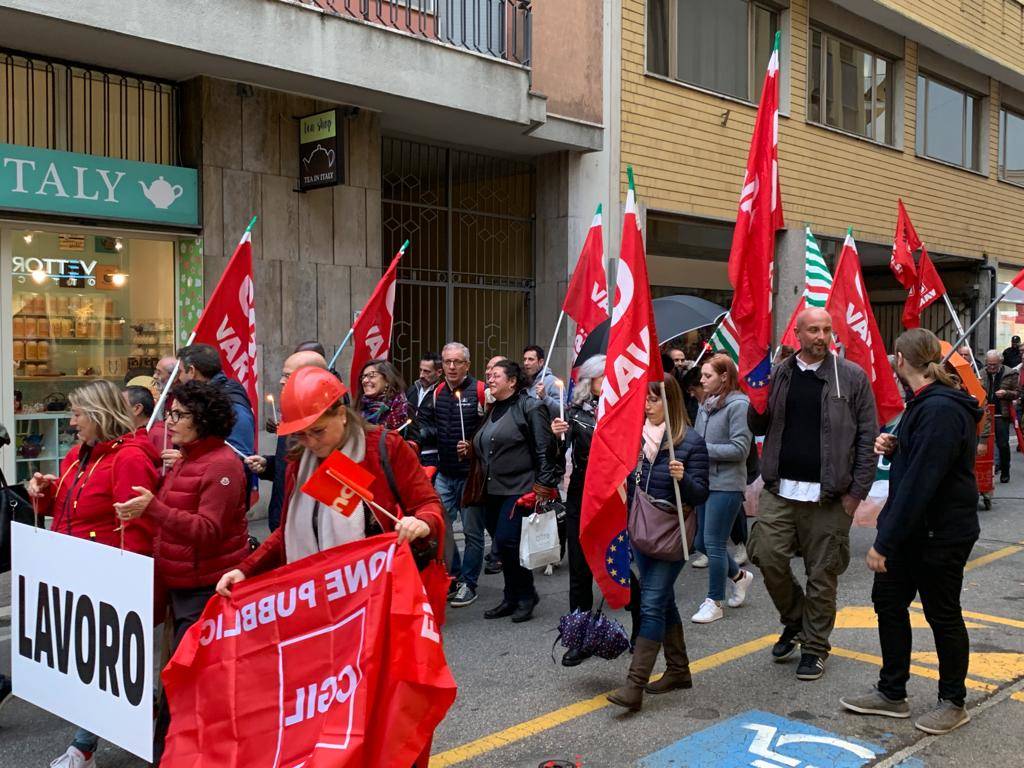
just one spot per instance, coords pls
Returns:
(654, 524)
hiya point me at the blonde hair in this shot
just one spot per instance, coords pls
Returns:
(101, 401)
(922, 351)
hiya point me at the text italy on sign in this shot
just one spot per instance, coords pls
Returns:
(320, 152)
(69, 183)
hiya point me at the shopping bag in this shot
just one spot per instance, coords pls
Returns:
(538, 545)
(14, 507)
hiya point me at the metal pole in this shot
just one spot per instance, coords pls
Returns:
(675, 483)
(707, 344)
(960, 329)
(167, 387)
(341, 347)
(977, 321)
(547, 358)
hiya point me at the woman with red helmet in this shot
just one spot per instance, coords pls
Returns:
(313, 413)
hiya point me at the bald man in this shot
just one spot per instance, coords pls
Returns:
(272, 467)
(818, 464)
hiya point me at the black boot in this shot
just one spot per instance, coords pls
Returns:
(631, 695)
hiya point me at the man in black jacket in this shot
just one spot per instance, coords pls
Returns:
(450, 419)
(420, 397)
(1001, 388)
(925, 534)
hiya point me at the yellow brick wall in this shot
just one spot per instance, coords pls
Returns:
(687, 162)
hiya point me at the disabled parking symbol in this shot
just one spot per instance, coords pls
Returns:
(763, 740)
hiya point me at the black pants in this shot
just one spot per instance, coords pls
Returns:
(581, 580)
(936, 571)
(505, 525)
(186, 607)
(1003, 444)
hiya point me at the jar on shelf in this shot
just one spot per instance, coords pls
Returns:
(40, 304)
(19, 351)
(81, 329)
(31, 350)
(42, 327)
(43, 350)
(108, 307)
(62, 305)
(30, 327)
(30, 369)
(19, 326)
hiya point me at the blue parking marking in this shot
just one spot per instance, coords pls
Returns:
(763, 740)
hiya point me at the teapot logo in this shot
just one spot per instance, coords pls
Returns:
(161, 193)
(312, 159)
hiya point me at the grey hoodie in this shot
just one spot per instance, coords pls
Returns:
(728, 438)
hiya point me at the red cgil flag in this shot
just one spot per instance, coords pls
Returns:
(854, 324)
(789, 338)
(371, 332)
(333, 660)
(632, 362)
(586, 301)
(753, 243)
(228, 321)
(928, 288)
(904, 242)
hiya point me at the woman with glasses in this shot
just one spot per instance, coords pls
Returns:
(381, 399)
(199, 512)
(106, 466)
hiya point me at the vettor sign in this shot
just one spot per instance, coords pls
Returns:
(68, 183)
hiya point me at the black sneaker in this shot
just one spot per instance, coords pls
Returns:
(452, 589)
(786, 645)
(5, 690)
(501, 610)
(465, 595)
(811, 667)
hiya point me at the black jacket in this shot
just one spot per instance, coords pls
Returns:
(932, 491)
(656, 480)
(533, 452)
(582, 422)
(439, 426)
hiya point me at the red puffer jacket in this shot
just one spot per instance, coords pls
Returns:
(201, 529)
(417, 494)
(82, 500)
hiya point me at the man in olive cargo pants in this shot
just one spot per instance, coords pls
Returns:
(818, 464)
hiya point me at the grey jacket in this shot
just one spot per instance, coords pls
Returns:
(728, 437)
(849, 426)
(551, 391)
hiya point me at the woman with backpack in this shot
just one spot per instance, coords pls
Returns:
(722, 422)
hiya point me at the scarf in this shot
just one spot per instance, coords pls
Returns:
(379, 410)
(654, 436)
(333, 528)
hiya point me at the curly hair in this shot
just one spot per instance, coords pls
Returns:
(212, 415)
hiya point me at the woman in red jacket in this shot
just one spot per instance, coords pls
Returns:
(313, 413)
(101, 470)
(199, 512)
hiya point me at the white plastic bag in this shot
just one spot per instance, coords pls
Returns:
(538, 545)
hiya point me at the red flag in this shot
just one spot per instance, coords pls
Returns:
(228, 321)
(586, 301)
(371, 332)
(789, 335)
(854, 323)
(340, 483)
(753, 243)
(333, 660)
(633, 361)
(904, 242)
(928, 289)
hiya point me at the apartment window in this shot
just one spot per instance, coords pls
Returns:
(1011, 147)
(948, 123)
(695, 42)
(850, 88)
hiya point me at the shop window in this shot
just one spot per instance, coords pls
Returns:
(949, 125)
(84, 307)
(720, 45)
(850, 88)
(1011, 147)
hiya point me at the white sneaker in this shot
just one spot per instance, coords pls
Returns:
(700, 561)
(741, 554)
(73, 758)
(739, 589)
(709, 611)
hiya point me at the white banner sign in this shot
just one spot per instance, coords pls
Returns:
(82, 634)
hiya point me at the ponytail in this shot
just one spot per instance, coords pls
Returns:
(922, 351)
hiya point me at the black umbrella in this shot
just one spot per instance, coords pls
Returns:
(673, 316)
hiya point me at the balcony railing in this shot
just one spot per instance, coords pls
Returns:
(496, 28)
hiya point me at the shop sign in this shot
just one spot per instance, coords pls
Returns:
(320, 155)
(65, 272)
(69, 183)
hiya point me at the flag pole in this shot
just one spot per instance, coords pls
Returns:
(551, 347)
(987, 311)
(675, 483)
(960, 329)
(707, 344)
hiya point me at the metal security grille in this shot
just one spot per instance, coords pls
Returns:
(55, 105)
(935, 318)
(469, 272)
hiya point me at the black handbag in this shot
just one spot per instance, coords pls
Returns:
(14, 507)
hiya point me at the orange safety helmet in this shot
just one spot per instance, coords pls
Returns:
(308, 393)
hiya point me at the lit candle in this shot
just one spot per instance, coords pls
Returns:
(561, 401)
(407, 423)
(462, 421)
(273, 406)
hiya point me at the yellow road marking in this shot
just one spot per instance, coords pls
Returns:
(986, 617)
(992, 666)
(1019, 696)
(992, 556)
(562, 715)
(915, 669)
(863, 617)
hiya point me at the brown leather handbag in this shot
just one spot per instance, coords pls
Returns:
(654, 524)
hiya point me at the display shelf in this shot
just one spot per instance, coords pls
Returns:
(37, 458)
(43, 415)
(112, 377)
(75, 339)
(47, 316)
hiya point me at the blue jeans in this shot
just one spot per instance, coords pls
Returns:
(718, 515)
(86, 741)
(658, 609)
(450, 489)
(738, 534)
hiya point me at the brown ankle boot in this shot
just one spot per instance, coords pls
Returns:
(631, 695)
(677, 664)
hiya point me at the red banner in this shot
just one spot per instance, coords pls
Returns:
(586, 301)
(928, 289)
(228, 321)
(335, 660)
(632, 362)
(371, 332)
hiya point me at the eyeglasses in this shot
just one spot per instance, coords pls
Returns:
(314, 433)
(454, 363)
(174, 415)
(653, 399)
(370, 376)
